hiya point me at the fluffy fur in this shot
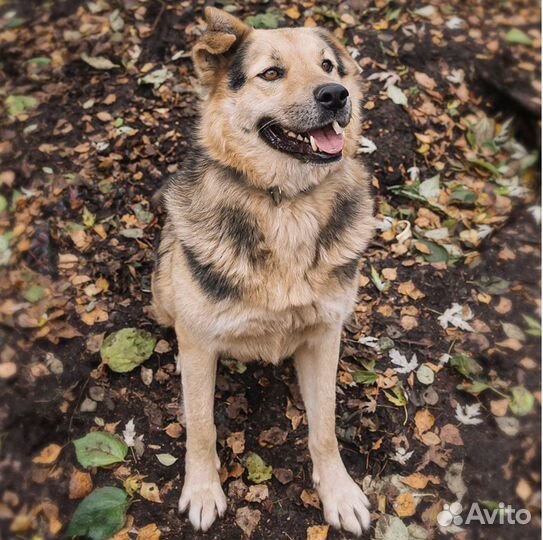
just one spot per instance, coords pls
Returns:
(246, 273)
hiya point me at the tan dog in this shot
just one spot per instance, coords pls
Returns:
(259, 254)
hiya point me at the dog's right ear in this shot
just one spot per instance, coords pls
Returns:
(223, 35)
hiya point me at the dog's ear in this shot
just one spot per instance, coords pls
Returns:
(214, 49)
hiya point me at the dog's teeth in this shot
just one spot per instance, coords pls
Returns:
(313, 143)
(306, 140)
(292, 134)
(299, 137)
(337, 128)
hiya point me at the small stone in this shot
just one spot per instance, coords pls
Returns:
(88, 405)
(146, 375)
(54, 364)
(430, 396)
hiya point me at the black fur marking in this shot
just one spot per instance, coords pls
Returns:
(347, 272)
(236, 74)
(345, 211)
(341, 69)
(241, 228)
(216, 285)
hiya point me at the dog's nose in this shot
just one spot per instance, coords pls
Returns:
(331, 96)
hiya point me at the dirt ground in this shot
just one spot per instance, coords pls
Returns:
(99, 106)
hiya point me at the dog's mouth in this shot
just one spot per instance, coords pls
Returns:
(318, 145)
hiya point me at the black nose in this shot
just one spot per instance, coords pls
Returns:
(331, 96)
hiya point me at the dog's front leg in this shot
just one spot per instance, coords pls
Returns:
(202, 494)
(344, 503)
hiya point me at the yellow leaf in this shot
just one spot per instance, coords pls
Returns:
(424, 420)
(150, 491)
(149, 532)
(405, 505)
(48, 455)
(80, 484)
(293, 13)
(318, 532)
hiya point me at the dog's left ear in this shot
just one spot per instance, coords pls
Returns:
(213, 51)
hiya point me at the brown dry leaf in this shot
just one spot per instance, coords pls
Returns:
(162, 346)
(310, 497)
(50, 511)
(293, 13)
(510, 343)
(424, 420)
(274, 436)
(257, 493)
(247, 520)
(430, 439)
(451, 435)
(317, 532)
(236, 441)
(97, 315)
(22, 523)
(149, 532)
(523, 489)
(405, 505)
(498, 407)
(150, 491)
(80, 484)
(425, 81)
(504, 305)
(389, 273)
(407, 288)
(48, 455)
(419, 481)
(174, 430)
(408, 322)
(7, 370)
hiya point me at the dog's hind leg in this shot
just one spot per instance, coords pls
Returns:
(202, 495)
(344, 503)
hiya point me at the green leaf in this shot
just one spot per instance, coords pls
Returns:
(40, 61)
(100, 515)
(534, 326)
(258, 470)
(166, 459)
(437, 253)
(464, 196)
(429, 189)
(3, 203)
(466, 365)
(493, 285)
(397, 397)
(126, 349)
(473, 387)
(34, 294)
(269, 19)
(89, 219)
(99, 449)
(518, 36)
(365, 377)
(522, 401)
(20, 104)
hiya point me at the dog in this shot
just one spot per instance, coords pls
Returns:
(264, 230)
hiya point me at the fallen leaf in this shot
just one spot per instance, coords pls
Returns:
(424, 420)
(236, 441)
(405, 505)
(80, 484)
(98, 62)
(247, 520)
(174, 430)
(166, 459)
(150, 492)
(317, 532)
(310, 497)
(257, 469)
(126, 349)
(419, 481)
(99, 449)
(257, 494)
(450, 434)
(100, 515)
(149, 532)
(48, 455)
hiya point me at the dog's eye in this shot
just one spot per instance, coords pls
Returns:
(271, 74)
(327, 66)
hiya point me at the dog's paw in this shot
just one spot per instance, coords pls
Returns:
(204, 501)
(344, 504)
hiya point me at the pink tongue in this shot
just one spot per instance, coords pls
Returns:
(328, 140)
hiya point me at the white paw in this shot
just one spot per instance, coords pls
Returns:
(344, 504)
(204, 502)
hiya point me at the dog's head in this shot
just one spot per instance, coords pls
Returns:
(295, 91)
